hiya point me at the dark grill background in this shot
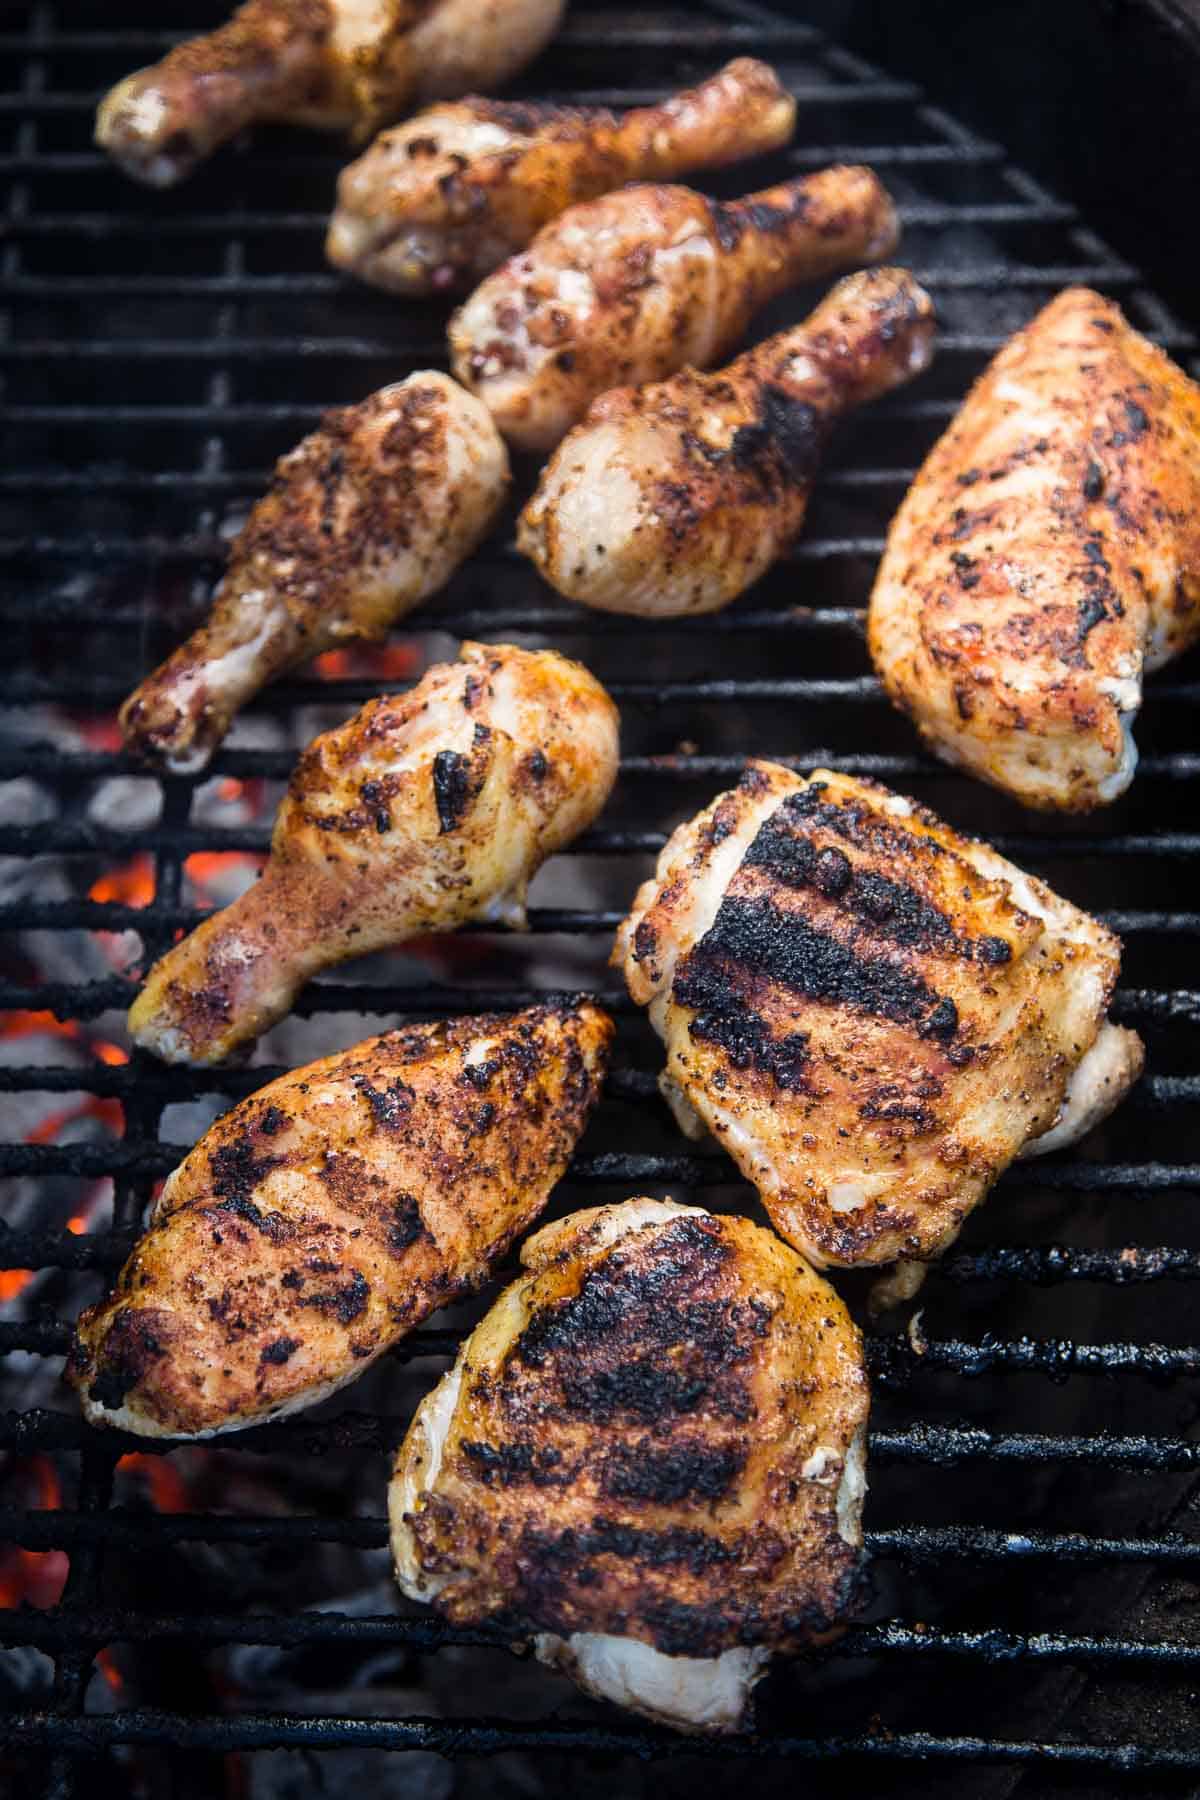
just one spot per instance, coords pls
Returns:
(1036, 1613)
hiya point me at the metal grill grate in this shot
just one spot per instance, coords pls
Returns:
(158, 354)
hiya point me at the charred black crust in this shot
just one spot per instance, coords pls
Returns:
(721, 1017)
(237, 1171)
(515, 1464)
(407, 1224)
(689, 1469)
(129, 1351)
(344, 1303)
(391, 1105)
(279, 1350)
(451, 788)
(753, 940)
(647, 1342)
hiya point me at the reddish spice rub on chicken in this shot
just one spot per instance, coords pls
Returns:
(636, 285)
(323, 1218)
(335, 65)
(438, 202)
(1047, 554)
(648, 1460)
(425, 810)
(364, 519)
(673, 498)
(873, 1014)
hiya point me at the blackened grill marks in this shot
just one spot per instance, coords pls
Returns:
(645, 1338)
(237, 1171)
(756, 938)
(407, 1224)
(690, 1469)
(723, 1016)
(514, 1464)
(892, 909)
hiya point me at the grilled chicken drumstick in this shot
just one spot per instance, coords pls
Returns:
(424, 811)
(648, 1458)
(323, 1218)
(440, 201)
(674, 498)
(364, 519)
(335, 65)
(1047, 553)
(633, 286)
(873, 1014)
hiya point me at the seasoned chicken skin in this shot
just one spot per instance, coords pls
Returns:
(649, 1458)
(674, 498)
(637, 284)
(335, 65)
(327, 1215)
(424, 811)
(440, 201)
(1047, 553)
(872, 1014)
(365, 518)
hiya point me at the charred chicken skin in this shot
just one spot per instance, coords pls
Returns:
(1046, 555)
(335, 65)
(872, 1014)
(438, 202)
(424, 811)
(633, 286)
(674, 498)
(648, 1459)
(365, 518)
(327, 1215)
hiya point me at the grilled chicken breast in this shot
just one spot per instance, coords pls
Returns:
(674, 498)
(425, 810)
(633, 286)
(648, 1458)
(1046, 555)
(440, 201)
(872, 1014)
(365, 518)
(321, 1219)
(336, 65)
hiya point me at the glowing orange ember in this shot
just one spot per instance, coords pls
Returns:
(132, 884)
(209, 867)
(167, 1488)
(381, 662)
(35, 1577)
(109, 1112)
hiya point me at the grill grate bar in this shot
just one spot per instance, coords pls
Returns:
(40, 1429)
(142, 1531)
(249, 1731)
(77, 1628)
(893, 1360)
(1042, 1264)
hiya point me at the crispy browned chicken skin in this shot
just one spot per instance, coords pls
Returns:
(321, 1219)
(336, 65)
(648, 1458)
(427, 809)
(1047, 553)
(674, 498)
(873, 1014)
(637, 284)
(440, 201)
(365, 518)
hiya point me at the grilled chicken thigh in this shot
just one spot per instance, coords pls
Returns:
(336, 65)
(1047, 553)
(873, 1014)
(321, 1219)
(633, 286)
(365, 518)
(438, 202)
(674, 498)
(424, 811)
(648, 1458)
